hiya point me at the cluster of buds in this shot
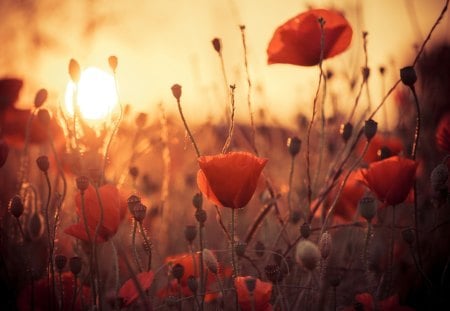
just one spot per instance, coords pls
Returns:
(200, 213)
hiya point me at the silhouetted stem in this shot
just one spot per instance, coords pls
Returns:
(94, 246)
(133, 245)
(230, 130)
(148, 245)
(191, 137)
(52, 287)
(291, 177)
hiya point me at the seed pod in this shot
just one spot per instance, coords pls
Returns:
(197, 200)
(43, 163)
(190, 233)
(370, 129)
(408, 76)
(40, 98)
(112, 61)
(60, 262)
(217, 44)
(16, 206)
(210, 261)
(346, 131)
(201, 216)
(260, 248)
(75, 265)
(35, 226)
(365, 73)
(305, 230)
(294, 145)
(178, 271)
(325, 243)
(74, 70)
(176, 91)
(307, 254)
(4, 151)
(133, 171)
(82, 183)
(367, 207)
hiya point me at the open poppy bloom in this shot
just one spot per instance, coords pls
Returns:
(229, 179)
(261, 294)
(443, 134)
(298, 41)
(114, 211)
(129, 293)
(391, 179)
(365, 302)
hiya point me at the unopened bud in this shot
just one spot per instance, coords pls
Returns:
(112, 61)
(197, 200)
(201, 216)
(260, 248)
(295, 216)
(40, 98)
(16, 206)
(384, 152)
(42, 163)
(74, 70)
(141, 120)
(408, 76)
(132, 201)
(307, 254)
(176, 91)
(35, 228)
(217, 44)
(138, 211)
(133, 171)
(325, 244)
(346, 131)
(367, 207)
(294, 145)
(60, 262)
(190, 233)
(370, 129)
(75, 265)
(82, 183)
(305, 230)
(382, 70)
(178, 271)
(4, 151)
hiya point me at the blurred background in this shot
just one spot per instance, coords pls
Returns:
(162, 42)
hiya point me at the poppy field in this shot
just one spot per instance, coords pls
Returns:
(335, 212)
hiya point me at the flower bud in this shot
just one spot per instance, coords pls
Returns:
(44, 117)
(42, 163)
(74, 70)
(408, 236)
(75, 265)
(197, 200)
(35, 228)
(192, 283)
(439, 177)
(40, 98)
(305, 230)
(217, 45)
(82, 183)
(250, 283)
(346, 131)
(60, 262)
(307, 254)
(367, 207)
(370, 129)
(138, 211)
(16, 206)
(260, 248)
(325, 243)
(112, 61)
(176, 91)
(240, 248)
(201, 216)
(294, 145)
(190, 233)
(178, 271)
(4, 151)
(132, 201)
(210, 261)
(273, 273)
(408, 76)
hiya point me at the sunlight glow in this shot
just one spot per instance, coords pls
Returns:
(97, 94)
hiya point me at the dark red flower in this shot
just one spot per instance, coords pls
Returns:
(443, 134)
(366, 303)
(129, 293)
(41, 297)
(381, 147)
(391, 179)
(298, 41)
(114, 211)
(261, 294)
(229, 179)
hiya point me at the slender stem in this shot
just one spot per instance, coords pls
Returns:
(202, 265)
(222, 225)
(191, 137)
(75, 290)
(391, 252)
(148, 245)
(230, 130)
(257, 222)
(225, 82)
(94, 246)
(291, 177)
(419, 268)
(91, 242)
(61, 291)
(133, 245)
(52, 287)
(233, 258)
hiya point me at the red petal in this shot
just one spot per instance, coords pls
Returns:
(129, 293)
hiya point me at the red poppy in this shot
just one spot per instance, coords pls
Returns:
(261, 294)
(381, 147)
(443, 134)
(129, 293)
(298, 41)
(41, 298)
(229, 179)
(365, 300)
(114, 211)
(391, 179)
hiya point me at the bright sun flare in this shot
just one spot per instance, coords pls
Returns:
(96, 96)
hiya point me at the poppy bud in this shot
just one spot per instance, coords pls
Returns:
(42, 163)
(138, 211)
(75, 265)
(307, 254)
(240, 248)
(112, 61)
(305, 230)
(82, 183)
(260, 248)
(44, 117)
(294, 145)
(217, 44)
(439, 177)
(408, 76)
(74, 70)
(133, 171)
(408, 236)
(384, 153)
(197, 200)
(190, 232)
(40, 98)
(250, 283)
(178, 271)
(325, 245)
(210, 261)
(370, 129)
(201, 216)
(60, 262)
(176, 91)
(382, 70)
(16, 206)
(132, 201)
(346, 131)
(367, 208)
(192, 283)
(273, 273)
(35, 226)
(4, 151)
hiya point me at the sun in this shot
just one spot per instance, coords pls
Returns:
(96, 96)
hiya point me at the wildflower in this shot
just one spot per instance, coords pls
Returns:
(229, 179)
(298, 41)
(114, 211)
(443, 134)
(260, 295)
(391, 179)
(129, 293)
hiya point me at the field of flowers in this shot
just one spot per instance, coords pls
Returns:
(332, 213)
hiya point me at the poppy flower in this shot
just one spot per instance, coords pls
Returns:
(114, 211)
(41, 298)
(261, 294)
(381, 147)
(129, 293)
(443, 134)
(365, 302)
(391, 179)
(298, 41)
(229, 179)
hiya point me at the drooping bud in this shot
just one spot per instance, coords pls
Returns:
(74, 70)
(75, 265)
(346, 131)
(307, 254)
(367, 207)
(240, 248)
(44, 117)
(4, 151)
(176, 91)
(305, 230)
(190, 233)
(260, 248)
(408, 76)
(250, 283)
(40, 98)
(217, 45)
(370, 129)
(192, 283)
(325, 243)
(210, 261)
(273, 273)
(178, 271)
(197, 200)
(294, 145)
(82, 183)
(43, 163)
(16, 206)
(112, 61)
(60, 262)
